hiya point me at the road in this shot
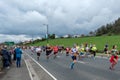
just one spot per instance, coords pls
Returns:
(86, 69)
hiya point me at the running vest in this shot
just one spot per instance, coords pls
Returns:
(74, 51)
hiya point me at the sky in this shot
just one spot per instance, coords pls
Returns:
(24, 19)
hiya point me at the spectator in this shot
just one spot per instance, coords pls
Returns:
(18, 53)
(14, 55)
(5, 55)
(1, 63)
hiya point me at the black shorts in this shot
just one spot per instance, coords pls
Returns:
(38, 54)
(74, 58)
(55, 52)
(67, 52)
(48, 53)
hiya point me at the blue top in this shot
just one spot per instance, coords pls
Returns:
(18, 52)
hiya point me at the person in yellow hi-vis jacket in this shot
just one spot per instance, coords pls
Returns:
(81, 52)
(94, 49)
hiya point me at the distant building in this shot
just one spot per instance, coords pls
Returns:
(65, 36)
(76, 36)
(56, 36)
(27, 42)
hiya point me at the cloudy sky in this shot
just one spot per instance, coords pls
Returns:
(22, 19)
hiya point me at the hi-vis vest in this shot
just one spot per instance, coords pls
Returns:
(94, 48)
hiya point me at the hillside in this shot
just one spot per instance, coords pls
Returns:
(104, 34)
(109, 29)
(100, 41)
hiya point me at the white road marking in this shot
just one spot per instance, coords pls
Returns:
(82, 62)
(42, 67)
(29, 70)
(58, 56)
(102, 57)
(32, 71)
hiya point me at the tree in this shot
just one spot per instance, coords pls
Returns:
(51, 36)
(82, 35)
(91, 33)
(69, 36)
(109, 29)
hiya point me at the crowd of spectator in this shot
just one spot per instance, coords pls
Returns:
(8, 56)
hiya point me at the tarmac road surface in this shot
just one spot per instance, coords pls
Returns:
(85, 69)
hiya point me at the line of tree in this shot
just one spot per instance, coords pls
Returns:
(108, 29)
(51, 36)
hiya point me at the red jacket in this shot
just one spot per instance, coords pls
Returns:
(112, 58)
(55, 49)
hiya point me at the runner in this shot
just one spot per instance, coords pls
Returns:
(60, 49)
(48, 51)
(90, 50)
(77, 46)
(114, 49)
(94, 49)
(55, 51)
(67, 51)
(38, 51)
(73, 56)
(87, 49)
(81, 51)
(32, 50)
(114, 57)
(106, 50)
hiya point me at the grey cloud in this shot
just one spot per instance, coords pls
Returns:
(63, 16)
(15, 38)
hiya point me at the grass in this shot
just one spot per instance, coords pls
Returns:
(98, 41)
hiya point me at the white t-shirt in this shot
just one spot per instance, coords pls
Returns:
(38, 50)
(74, 50)
(87, 48)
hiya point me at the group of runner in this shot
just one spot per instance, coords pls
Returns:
(48, 49)
(77, 52)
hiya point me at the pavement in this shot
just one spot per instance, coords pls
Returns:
(14, 73)
(29, 70)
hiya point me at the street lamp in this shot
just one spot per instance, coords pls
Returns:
(47, 31)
